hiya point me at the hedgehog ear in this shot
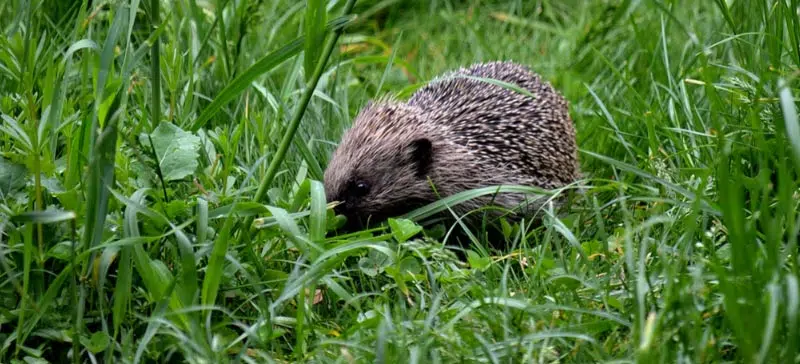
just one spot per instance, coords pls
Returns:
(421, 154)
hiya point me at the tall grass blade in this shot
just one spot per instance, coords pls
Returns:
(155, 66)
(314, 25)
(791, 120)
(319, 209)
(213, 275)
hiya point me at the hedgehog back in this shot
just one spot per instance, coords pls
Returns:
(503, 128)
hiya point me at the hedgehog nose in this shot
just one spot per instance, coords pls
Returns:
(339, 209)
(352, 224)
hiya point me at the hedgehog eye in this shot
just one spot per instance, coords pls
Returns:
(360, 188)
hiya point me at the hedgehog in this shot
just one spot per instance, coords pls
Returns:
(459, 132)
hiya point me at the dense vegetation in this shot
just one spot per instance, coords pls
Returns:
(156, 203)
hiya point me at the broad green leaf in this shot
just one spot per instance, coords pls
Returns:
(403, 229)
(478, 262)
(61, 251)
(177, 150)
(97, 342)
(368, 266)
(410, 265)
(374, 263)
(12, 176)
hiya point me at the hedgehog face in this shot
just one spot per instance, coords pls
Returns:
(380, 168)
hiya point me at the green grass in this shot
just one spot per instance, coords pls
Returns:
(160, 194)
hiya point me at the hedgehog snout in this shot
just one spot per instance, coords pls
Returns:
(340, 208)
(354, 221)
(345, 207)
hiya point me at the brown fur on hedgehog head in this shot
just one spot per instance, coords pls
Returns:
(381, 166)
